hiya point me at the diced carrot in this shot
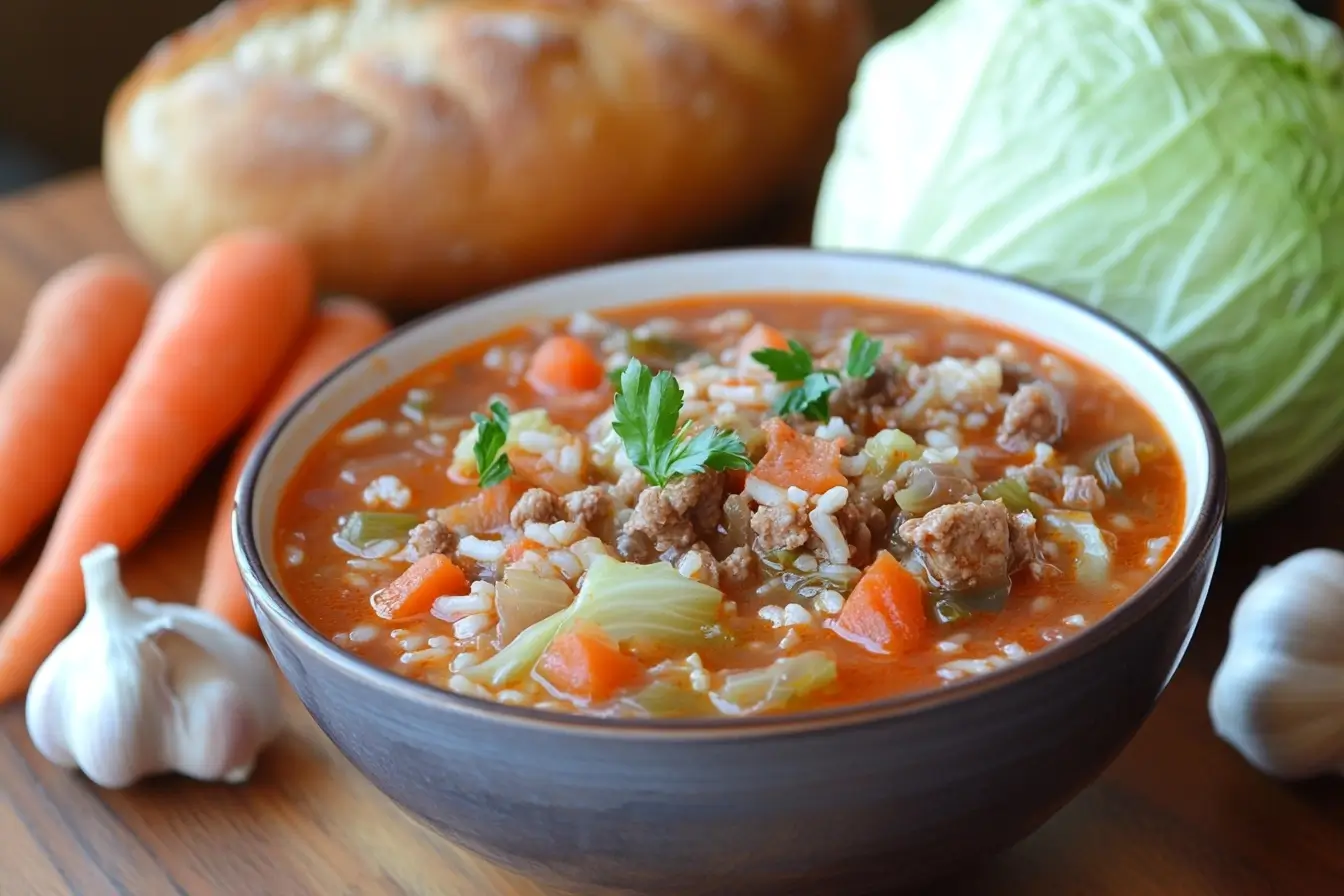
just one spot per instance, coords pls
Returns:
(885, 613)
(414, 591)
(538, 471)
(565, 364)
(514, 552)
(792, 458)
(487, 511)
(758, 337)
(584, 663)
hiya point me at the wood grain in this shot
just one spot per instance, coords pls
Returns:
(1178, 812)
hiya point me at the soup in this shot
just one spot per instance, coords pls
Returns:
(727, 506)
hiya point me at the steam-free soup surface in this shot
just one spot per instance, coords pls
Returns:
(729, 506)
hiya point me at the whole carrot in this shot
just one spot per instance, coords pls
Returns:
(341, 329)
(216, 336)
(81, 328)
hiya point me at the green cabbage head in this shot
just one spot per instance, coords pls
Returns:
(1178, 164)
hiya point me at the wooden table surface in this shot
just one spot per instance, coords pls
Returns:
(1178, 812)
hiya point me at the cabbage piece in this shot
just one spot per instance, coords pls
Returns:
(1092, 563)
(1013, 492)
(774, 686)
(1115, 462)
(463, 466)
(365, 527)
(887, 450)
(1178, 164)
(933, 485)
(524, 597)
(664, 700)
(806, 583)
(625, 600)
(954, 606)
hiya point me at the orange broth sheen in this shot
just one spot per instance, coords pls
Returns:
(1037, 613)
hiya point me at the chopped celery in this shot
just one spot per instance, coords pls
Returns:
(1115, 461)
(363, 528)
(887, 450)
(778, 562)
(808, 583)
(1014, 494)
(524, 597)
(933, 485)
(664, 700)
(659, 352)
(954, 606)
(625, 600)
(1093, 560)
(775, 685)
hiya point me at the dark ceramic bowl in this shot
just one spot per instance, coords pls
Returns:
(837, 801)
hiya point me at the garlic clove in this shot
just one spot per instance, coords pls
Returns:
(1278, 695)
(142, 688)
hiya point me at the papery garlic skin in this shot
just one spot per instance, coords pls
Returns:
(141, 688)
(1278, 696)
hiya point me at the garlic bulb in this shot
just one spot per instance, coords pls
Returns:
(1278, 696)
(141, 688)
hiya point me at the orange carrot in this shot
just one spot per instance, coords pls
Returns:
(514, 552)
(81, 328)
(584, 663)
(218, 333)
(885, 613)
(564, 364)
(792, 458)
(340, 329)
(758, 337)
(487, 511)
(415, 590)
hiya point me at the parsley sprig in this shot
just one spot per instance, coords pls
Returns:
(812, 396)
(647, 408)
(492, 464)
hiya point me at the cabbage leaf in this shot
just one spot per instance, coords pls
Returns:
(1178, 164)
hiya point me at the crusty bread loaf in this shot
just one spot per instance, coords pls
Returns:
(428, 149)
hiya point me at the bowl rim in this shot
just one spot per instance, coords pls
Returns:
(265, 594)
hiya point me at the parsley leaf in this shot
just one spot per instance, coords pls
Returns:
(863, 355)
(647, 408)
(492, 464)
(788, 366)
(811, 398)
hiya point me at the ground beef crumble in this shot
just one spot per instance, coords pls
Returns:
(738, 567)
(537, 505)
(779, 528)
(1035, 413)
(430, 537)
(679, 514)
(872, 403)
(1082, 492)
(964, 545)
(864, 526)
(590, 507)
